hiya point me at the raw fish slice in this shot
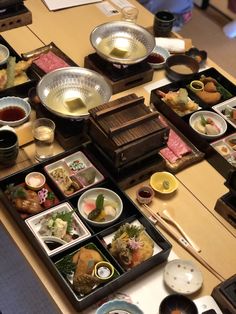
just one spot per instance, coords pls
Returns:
(88, 206)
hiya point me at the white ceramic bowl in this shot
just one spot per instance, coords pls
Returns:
(159, 51)
(109, 195)
(15, 102)
(182, 276)
(4, 54)
(218, 120)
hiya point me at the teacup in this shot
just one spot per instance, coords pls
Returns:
(163, 23)
(9, 147)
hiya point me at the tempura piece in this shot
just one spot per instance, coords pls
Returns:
(131, 245)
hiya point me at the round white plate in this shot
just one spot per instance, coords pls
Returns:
(182, 276)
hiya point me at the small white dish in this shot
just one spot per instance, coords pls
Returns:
(14, 111)
(215, 117)
(182, 276)
(154, 59)
(88, 200)
(52, 243)
(4, 54)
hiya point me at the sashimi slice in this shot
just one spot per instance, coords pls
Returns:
(88, 206)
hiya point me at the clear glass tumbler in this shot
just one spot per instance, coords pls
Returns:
(43, 133)
(129, 14)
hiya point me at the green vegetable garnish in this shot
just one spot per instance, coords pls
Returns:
(99, 206)
(203, 120)
(66, 266)
(131, 230)
(166, 184)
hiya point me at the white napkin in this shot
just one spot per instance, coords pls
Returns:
(171, 44)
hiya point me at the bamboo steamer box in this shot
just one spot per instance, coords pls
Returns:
(125, 129)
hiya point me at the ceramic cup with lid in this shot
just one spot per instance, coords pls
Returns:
(9, 146)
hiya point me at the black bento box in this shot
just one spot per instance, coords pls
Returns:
(99, 237)
(20, 89)
(182, 122)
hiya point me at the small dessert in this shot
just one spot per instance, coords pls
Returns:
(35, 180)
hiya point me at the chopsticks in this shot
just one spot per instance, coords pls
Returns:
(182, 241)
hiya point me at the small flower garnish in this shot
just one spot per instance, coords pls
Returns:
(134, 245)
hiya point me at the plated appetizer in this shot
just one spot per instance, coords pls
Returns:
(57, 227)
(73, 173)
(15, 73)
(213, 92)
(208, 124)
(29, 202)
(179, 101)
(131, 245)
(100, 206)
(79, 269)
(68, 184)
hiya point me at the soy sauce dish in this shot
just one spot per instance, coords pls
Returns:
(14, 111)
(157, 58)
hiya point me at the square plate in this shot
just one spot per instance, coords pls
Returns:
(39, 225)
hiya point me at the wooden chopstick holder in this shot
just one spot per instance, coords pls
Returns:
(182, 241)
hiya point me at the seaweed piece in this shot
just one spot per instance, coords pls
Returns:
(66, 265)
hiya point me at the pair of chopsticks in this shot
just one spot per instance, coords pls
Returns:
(182, 241)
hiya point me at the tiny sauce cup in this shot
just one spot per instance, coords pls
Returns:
(145, 194)
(103, 270)
(196, 86)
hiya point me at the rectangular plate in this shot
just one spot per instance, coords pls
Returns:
(130, 214)
(35, 224)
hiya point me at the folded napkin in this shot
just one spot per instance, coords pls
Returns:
(174, 45)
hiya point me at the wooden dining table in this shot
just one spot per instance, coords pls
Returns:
(200, 185)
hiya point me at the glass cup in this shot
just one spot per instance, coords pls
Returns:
(129, 14)
(163, 23)
(43, 133)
